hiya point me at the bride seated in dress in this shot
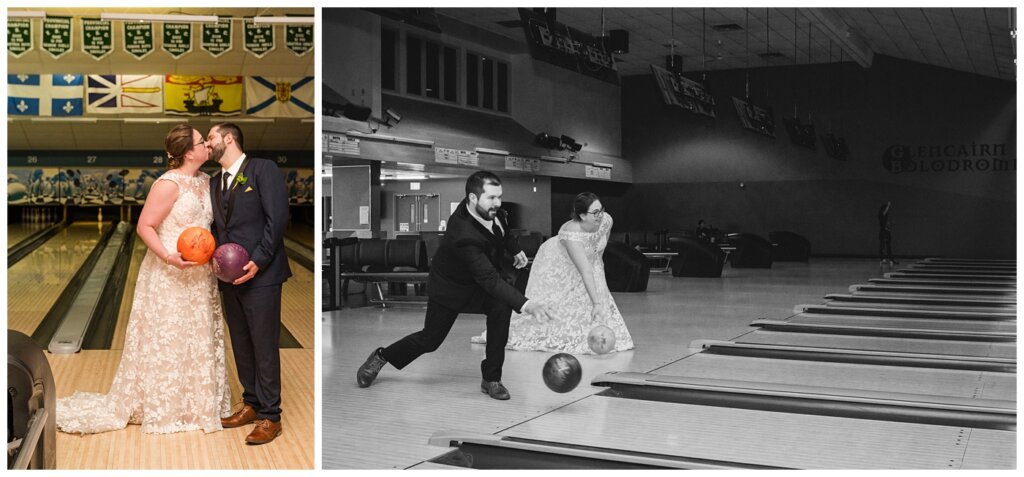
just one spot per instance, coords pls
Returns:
(567, 276)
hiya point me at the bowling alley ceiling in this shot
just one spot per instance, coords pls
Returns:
(974, 40)
(112, 133)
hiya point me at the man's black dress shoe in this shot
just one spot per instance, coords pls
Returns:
(494, 389)
(368, 371)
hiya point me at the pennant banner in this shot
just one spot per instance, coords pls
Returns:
(259, 39)
(279, 97)
(217, 38)
(299, 38)
(57, 36)
(138, 39)
(114, 94)
(800, 134)
(683, 92)
(97, 37)
(44, 95)
(177, 38)
(755, 118)
(19, 36)
(203, 95)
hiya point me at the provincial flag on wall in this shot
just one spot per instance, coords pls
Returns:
(114, 94)
(44, 95)
(203, 95)
(279, 97)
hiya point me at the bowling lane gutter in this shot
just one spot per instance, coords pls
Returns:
(32, 242)
(51, 322)
(103, 325)
(299, 252)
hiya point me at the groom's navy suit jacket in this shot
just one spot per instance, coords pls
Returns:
(254, 214)
(467, 265)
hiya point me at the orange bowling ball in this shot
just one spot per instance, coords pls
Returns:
(196, 244)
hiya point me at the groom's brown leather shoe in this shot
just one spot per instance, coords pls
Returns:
(494, 389)
(244, 416)
(264, 432)
(369, 370)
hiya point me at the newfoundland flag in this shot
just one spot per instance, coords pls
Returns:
(44, 95)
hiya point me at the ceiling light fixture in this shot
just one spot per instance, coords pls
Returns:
(143, 17)
(25, 14)
(285, 20)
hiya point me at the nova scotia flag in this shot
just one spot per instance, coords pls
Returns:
(44, 95)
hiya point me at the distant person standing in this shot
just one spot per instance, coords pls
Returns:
(703, 232)
(885, 235)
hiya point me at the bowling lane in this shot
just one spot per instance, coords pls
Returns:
(766, 438)
(20, 231)
(35, 282)
(907, 323)
(939, 382)
(297, 305)
(138, 253)
(1000, 350)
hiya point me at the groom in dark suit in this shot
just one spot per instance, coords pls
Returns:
(250, 202)
(465, 278)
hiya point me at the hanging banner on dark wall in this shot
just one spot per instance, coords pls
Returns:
(57, 36)
(259, 39)
(835, 146)
(755, 118)
(684, 92)
(299, 39)
(177, 38)
(138, 39)
(555, 43)
(19, 36)
(217, 37)
(800, 134)
(97, 37)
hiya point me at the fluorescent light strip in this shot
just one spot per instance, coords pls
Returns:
(285, 20)
(498, 152)
(24, 14)
(64, 120)
(143, 17)
(152, 120)
(419, 142)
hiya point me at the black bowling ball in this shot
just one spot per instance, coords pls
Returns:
(562, 373)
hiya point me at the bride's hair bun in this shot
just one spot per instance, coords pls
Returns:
(177, 143)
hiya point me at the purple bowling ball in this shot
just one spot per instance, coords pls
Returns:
(228, 261)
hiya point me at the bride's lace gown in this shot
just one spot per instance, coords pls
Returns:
(172, 374)
(555, 282)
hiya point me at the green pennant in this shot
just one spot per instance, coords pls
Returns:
(217, 37)
(57, 35)
(177, 38)
(138, 39)
(299, 38)
(19, 36)
(259, 39)
(97, 37)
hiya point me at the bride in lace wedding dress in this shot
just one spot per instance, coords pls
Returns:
(172, 374)
(567, 276)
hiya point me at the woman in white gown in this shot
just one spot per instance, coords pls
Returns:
(567, 276)
(172, 374)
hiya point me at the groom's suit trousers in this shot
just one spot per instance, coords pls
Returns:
(438, 322)
(254, 323)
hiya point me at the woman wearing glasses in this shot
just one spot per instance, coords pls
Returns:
(567, 276)
(171, 376)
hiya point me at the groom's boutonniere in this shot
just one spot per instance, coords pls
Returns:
(240, 179)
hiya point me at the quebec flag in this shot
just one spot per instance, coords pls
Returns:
(279, 97)
(44, 95)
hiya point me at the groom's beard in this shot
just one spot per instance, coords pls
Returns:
(486, 214)
(216, 152)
